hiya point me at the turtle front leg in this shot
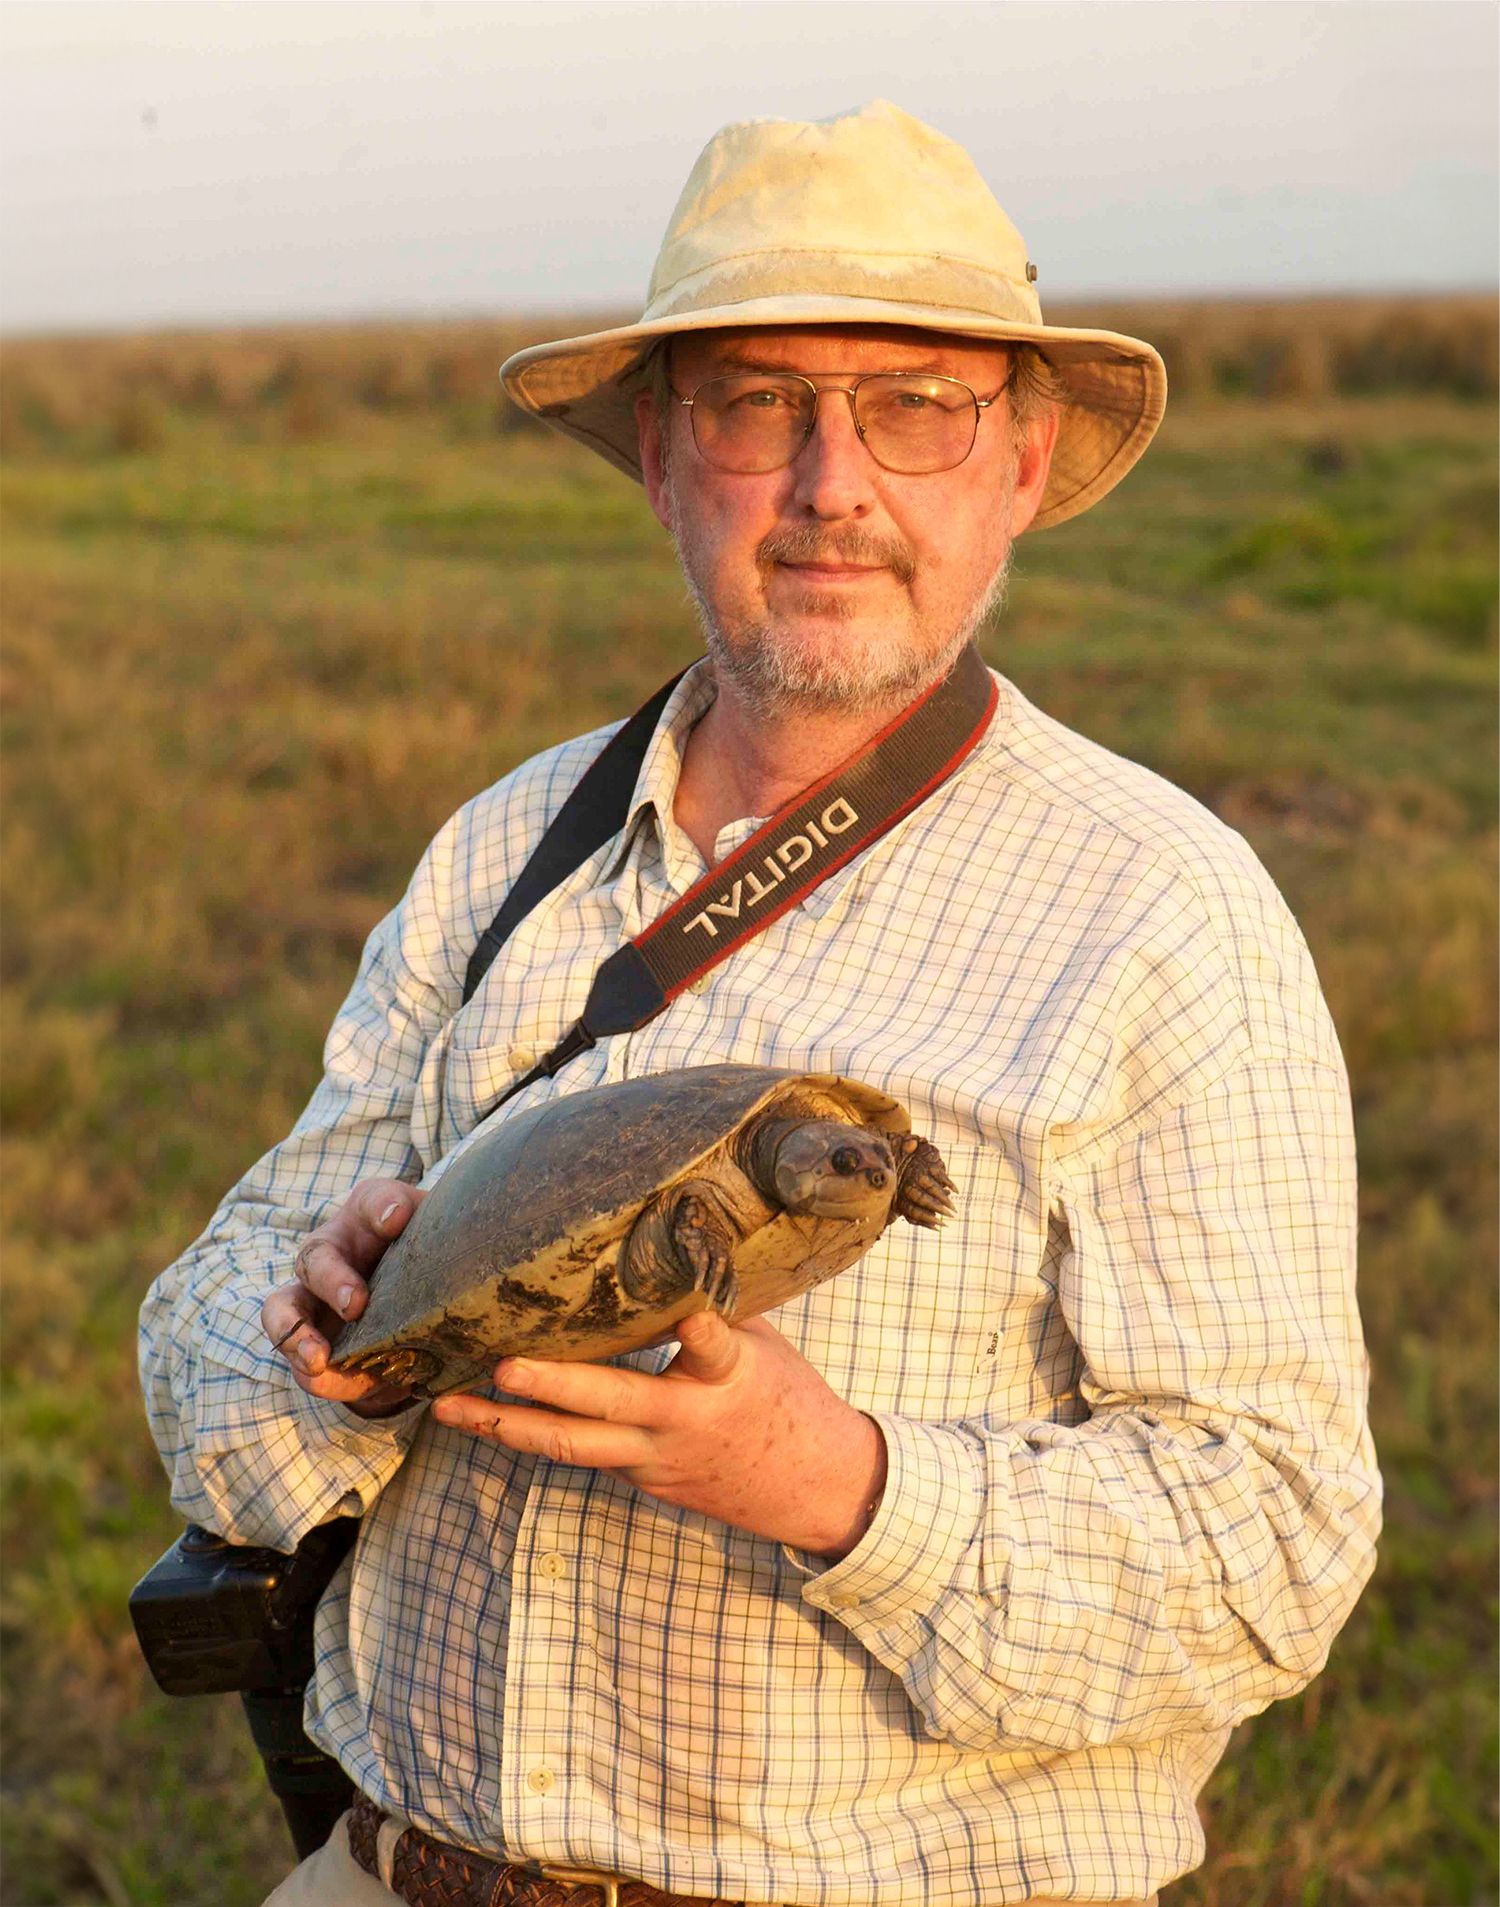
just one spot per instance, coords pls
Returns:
(682, 1242)
(924, 1192)
(706, 1244)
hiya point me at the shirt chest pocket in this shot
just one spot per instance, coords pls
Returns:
(487, 1046)
(938, 1324)
(463, 1072)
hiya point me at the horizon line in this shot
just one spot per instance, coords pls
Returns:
(602, 315)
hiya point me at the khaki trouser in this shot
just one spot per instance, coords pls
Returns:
(332, 1878)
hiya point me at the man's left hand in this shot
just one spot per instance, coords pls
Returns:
(739, 1426)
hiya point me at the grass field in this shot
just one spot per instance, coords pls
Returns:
(257, 651)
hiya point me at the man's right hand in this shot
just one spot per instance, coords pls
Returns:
(333, 1267)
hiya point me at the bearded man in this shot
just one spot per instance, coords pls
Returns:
(946, 1584)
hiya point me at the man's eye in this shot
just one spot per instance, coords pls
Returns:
(764, 398)
(916, 397)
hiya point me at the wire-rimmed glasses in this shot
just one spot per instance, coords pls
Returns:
(911, 422)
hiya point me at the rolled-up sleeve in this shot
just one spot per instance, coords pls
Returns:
(1186, 1555)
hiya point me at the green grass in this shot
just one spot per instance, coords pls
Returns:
(246, 678)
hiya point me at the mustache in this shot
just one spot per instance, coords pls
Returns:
(808, 543)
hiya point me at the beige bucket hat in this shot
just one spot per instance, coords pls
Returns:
(867, 218)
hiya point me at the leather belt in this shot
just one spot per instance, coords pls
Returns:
(427, 1872)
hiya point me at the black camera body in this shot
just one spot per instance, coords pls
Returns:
(216, 1618)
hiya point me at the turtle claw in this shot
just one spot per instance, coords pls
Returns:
(701, 1239)
(926, 1193)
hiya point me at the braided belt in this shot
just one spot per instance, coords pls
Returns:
(426, 1872)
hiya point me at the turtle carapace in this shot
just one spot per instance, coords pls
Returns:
(590, 1225)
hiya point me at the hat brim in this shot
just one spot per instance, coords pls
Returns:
(1115, 386)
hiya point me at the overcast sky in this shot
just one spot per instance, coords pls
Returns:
(199, 161)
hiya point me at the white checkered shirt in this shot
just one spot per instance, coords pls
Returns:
(1132, 1495)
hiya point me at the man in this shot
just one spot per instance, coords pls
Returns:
(947, 1582)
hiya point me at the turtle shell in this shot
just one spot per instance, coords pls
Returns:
(515, 1248)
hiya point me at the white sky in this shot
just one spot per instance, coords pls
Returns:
(217, 160)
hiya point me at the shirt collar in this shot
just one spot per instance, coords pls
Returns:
(655, 789)
(656, 785)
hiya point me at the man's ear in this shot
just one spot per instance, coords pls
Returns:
(1032, 467)
(653, 466)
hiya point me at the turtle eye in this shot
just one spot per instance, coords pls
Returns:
(845, 1160)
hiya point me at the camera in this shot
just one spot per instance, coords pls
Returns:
(215, 1618)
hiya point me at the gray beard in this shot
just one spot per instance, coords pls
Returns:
(773, 677)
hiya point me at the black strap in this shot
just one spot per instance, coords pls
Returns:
(595, 810)
(811, 837)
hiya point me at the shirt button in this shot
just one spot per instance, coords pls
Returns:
(521, 1059)
(700, 985)
(843, 1600)
(552, 1565)
(540, 1780)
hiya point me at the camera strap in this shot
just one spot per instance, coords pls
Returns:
(815, 834)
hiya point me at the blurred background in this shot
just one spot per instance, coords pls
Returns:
(286, 582)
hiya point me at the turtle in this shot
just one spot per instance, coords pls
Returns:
(589, 1226)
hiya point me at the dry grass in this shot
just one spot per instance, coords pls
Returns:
(251, 662)
(123, 394)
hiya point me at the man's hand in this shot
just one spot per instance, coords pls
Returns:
(333, 1265)
(739, 1426)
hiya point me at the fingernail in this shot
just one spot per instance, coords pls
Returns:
(516, 1375)
(346, 1299)
(389, 1213)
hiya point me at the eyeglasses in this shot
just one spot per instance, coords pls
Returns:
(911, 422)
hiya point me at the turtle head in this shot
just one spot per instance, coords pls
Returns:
(823, 1168)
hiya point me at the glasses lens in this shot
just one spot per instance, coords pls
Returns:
(913, 422)
(751, 421)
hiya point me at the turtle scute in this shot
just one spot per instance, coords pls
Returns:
(590, 1225)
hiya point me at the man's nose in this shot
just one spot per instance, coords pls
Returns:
(835, 474)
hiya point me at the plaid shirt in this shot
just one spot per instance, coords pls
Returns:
(1132, 1495)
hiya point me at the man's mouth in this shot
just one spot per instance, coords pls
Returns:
(836, 572)
(812, 556)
